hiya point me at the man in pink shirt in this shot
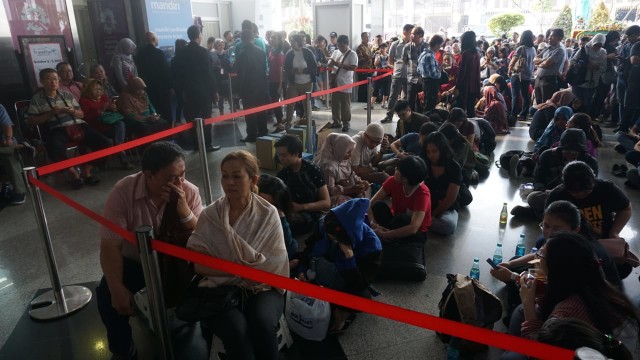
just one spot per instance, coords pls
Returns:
(65, 72)
(136, 200)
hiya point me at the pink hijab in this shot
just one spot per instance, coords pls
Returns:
(495, 110)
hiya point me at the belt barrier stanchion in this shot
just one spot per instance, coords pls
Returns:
(231, 106)
(369, 96)
(208, 194)
(62, 301)
(329, 95)
(309, 124)
(155, 293)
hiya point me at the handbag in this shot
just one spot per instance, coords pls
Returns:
(518, 66)
(203, 303)
(578, 70)
(333, 81)
(307, 316)
(618, 249)
(110, 117)
(75, 132)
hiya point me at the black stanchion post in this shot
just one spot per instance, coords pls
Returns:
(155, 293)
(327, 81)
(369, 96)
(309, 124)
(59, 301)
(231, 106)
(208, 194)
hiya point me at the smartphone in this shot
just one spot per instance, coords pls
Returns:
(493, 265)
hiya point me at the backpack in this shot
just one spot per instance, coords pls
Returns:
(578, 71)
(467, 301)
(505, 159)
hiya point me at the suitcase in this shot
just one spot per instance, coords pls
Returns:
(403, 260)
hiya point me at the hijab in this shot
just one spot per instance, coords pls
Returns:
(334, 149)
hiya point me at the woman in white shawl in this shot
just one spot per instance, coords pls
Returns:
(124, 68)
(244, 228)
(596, 65)
(333, 159)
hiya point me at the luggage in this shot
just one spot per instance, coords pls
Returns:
(403, 260)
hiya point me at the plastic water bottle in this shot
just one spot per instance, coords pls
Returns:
(504, 214)
(534, 250)
(475, 270)
(520, 247)
(497, 255)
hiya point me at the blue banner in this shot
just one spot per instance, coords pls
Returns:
(169, 19)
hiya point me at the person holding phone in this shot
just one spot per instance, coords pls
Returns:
(140, 115)
(139, 199)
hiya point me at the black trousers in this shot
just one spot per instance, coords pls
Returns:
(431, 87)
(198, 106)
(545, 87)
(57, 139)
(383, 216)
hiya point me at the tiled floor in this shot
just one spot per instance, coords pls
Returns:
(76, 244)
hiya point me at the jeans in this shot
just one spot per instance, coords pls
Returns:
(626, 140)
(118, 328)
(445, 224)
(398, 86)
(520, 88)
(250, 332)
(621, 91)
(633, 158)
(631, 111)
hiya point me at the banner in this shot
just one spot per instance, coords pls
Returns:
(39, 18)
(169, 19)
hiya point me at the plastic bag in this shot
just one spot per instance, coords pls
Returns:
(307, 317)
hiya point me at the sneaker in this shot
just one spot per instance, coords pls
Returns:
(345, 128)
(17, 199)
(315, 108)
(335, 125)
(386, 120)
(620, 149)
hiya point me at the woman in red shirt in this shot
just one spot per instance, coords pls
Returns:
(102, 114)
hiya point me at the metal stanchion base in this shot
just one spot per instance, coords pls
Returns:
(75, 297)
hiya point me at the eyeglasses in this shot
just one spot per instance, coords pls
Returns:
(539, 254)
(375, 141)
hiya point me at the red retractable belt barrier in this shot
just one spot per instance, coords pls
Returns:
(411, 317)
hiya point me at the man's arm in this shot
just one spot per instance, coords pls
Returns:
(323, 203)
(7, 140)
(112, 262)
(619, 221)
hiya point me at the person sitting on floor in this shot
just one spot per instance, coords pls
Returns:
(409, 121)
(413, 143)
(56, 111)
(458, 117)
(548, 171)
(243, 228)
(333, 159)
(345, 254)
(495, 110)
(276, 192)
(627, 141)
(306, 184)
(633, 175)
(102, 115)
(461, 151)
(544, 113)
(370, 144)
(444, 180)
(582, 121)
(409, 217)
(138, 111)
(603, 205)
(554, 130)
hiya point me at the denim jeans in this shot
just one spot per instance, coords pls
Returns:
(520, 88)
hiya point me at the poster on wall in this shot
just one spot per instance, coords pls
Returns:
(41, 52)
(37, 18)
(169, 19)
(109, 22)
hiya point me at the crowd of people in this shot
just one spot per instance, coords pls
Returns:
(451, 96)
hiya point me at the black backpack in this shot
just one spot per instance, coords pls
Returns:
(505, 159)
(578, 71)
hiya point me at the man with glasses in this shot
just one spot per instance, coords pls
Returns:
(548, 171)
(410, 121)
(370, 144)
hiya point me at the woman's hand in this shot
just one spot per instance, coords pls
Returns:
(302, 277)
(527, 290)
(382, 233)
(501, 273)
(346, 250)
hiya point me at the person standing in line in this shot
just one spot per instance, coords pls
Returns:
(153, 68)
(430, 72)
(124, 68)
(410, 55)
(399, 77)
(344, 62)
(550, 63)
(365, 61)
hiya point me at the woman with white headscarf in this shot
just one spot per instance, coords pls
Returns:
(124, 68)
(333, 159)
(594, 58)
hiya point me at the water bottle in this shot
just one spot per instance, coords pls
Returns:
(534, 250)
(520, 247)
(503, 214)
(497, 255)
(475, 269)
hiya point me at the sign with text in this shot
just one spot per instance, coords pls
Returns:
(169, 19)
(41, 52)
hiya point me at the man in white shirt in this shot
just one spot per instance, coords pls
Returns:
(343, 61)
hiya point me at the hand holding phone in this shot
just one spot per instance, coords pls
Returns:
(493, 265)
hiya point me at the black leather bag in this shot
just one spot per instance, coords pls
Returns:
(202, 303)
(403, 260)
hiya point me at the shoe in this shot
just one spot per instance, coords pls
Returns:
(632, 185)
(513, 166)
(76, 183)
(212, 148)
(17, 199)
(367, 108)
(315, 108)
(386, 120)
(617, 171)
(620, 149)
(91, 180)
(522, 212)
(248, 140)
(345, 128)
(334, 125)
(384, 106)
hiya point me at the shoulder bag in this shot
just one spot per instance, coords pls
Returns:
(518, 66)
(75, 132)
